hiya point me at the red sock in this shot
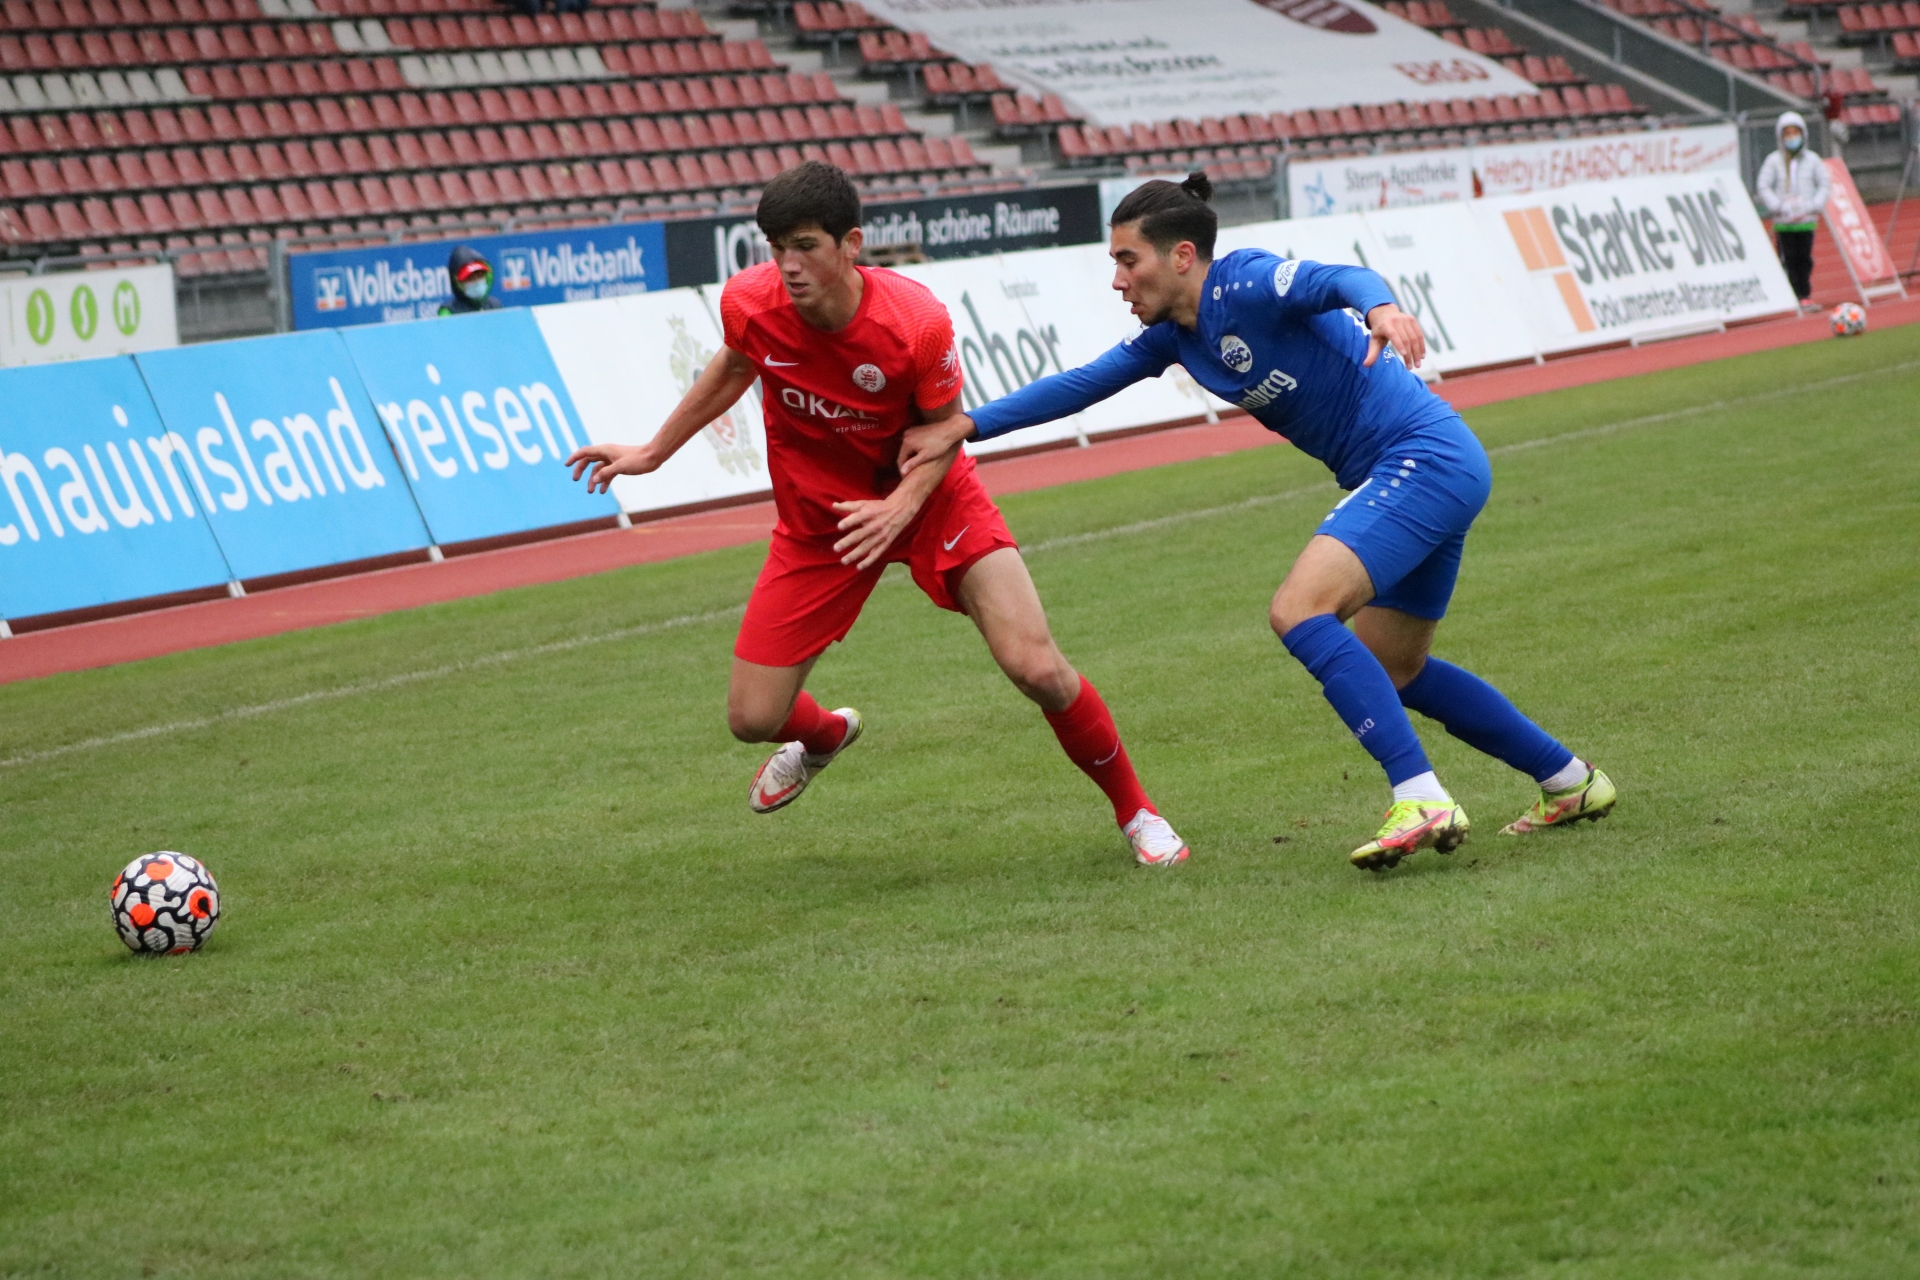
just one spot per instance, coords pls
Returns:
(818, 731)
(1088, 735)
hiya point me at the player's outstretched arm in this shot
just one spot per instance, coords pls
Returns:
(868, 527)
(722, 383)
(1058, 395)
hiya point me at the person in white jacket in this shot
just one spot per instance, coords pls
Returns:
(1793, 188)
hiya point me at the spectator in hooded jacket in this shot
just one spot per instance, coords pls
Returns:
(1793, 188)
(472, 277)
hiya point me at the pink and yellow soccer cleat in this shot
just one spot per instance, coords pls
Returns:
(1413, 825)
(787, 771)
(1589, 801)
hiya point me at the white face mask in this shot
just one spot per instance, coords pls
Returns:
(1793, 144)
(477, 288)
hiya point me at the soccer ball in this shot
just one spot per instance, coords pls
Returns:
(164, 904)
(1848, 319)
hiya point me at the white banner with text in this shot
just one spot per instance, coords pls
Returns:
(1139, 61)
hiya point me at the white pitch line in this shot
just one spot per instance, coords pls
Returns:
(372, 686)
(1050, 544)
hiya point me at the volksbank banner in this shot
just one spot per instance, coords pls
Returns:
(710, 250)
(409, 281)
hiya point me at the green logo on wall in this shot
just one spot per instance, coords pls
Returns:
(85, 312)
(40, 317)
(126, 307)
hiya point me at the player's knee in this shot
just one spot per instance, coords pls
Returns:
(753, 724)
(1040, 671)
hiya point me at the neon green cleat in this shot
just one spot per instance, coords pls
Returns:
(1591, 800)
(1413, 825)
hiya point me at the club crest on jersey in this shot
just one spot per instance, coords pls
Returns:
(1283, 276)
(869, 378)
(1237, 354)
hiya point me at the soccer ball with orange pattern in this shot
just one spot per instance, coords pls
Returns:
(1849, 319)
(164, 904)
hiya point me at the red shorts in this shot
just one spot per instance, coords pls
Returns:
(806, 599)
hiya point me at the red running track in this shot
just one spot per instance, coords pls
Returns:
(191, 626)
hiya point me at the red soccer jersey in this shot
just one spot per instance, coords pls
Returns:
(837, 403)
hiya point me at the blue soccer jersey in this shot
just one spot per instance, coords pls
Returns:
(1274, 338)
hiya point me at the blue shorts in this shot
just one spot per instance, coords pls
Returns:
(1408, 523)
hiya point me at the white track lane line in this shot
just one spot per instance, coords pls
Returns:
(1050, 544)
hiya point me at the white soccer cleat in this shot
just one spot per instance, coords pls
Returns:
(788, 771)
(1154, 842)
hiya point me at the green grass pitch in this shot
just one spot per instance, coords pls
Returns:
(511, 983)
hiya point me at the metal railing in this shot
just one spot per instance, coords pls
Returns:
(1626, 42)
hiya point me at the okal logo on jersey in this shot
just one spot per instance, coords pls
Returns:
(820, 407)
(1237, 355)
(869, 378)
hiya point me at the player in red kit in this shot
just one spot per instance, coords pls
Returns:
(848, 358)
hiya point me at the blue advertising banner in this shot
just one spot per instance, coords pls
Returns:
(409, 281)
(481, 420)
(99, 502)
(293, 470)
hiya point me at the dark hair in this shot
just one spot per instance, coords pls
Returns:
(812, 192)
(1169, 212)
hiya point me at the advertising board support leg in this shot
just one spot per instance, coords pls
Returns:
(434, 554)
(278, 292)
(6, 632)
(234, 589)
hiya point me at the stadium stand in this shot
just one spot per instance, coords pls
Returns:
(1237, 148)
(1779, 52)
(217, 124)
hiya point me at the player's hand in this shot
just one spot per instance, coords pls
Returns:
(1389, 323)
(932, 441)
(870, 526)
(602, 462)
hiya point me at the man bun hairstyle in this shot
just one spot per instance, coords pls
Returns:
(1169, 212)
(811, 193)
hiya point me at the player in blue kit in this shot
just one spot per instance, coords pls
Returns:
(1286, 341)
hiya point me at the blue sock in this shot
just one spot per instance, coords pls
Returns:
(1360, 691)
(1479, 715)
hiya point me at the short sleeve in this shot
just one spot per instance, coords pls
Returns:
(936, 359)
(733, 315)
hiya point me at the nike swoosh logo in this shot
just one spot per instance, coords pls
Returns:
(956, 541)
(779, 364)
(1110, 755)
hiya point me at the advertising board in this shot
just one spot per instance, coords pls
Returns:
(627, 362)
(1137, 61)
(1319, 187)
(409, 281)
(710, 250)
(481, 421)
(99, 501)
(1636, 258)
(1867, 259)
(284, 451)
(83, 315)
